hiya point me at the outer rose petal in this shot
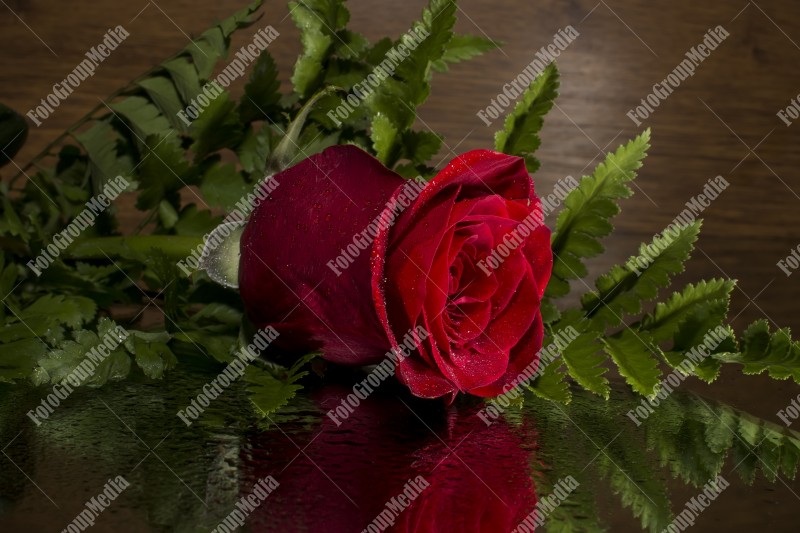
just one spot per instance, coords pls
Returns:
(318, 207)
(423, 382)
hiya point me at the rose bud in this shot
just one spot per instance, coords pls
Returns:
(348, 258)
(288, 273)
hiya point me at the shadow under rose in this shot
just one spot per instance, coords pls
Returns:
(393, 466)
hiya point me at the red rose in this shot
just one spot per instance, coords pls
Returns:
(467, 261)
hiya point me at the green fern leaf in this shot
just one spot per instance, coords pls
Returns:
(587, 211)
(764, 351)
(622, 290)
(664, 322)
(633, 355)
(520, 134)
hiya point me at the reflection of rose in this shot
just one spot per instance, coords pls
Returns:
(466, 260)
(480, 480)
(482, 485)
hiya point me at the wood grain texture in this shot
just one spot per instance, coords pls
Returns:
(709, 126)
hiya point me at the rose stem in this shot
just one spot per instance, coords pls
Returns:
(174, 246)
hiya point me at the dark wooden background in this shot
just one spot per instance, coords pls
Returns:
(721, 121)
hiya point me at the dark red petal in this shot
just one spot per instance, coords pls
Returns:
(475, 174)
(468, 321)
(510, 275)
(410, 264)
(524, 360)
(539, 254)
(318, 207)
(537, 247)
(515, 319)
(422, 380)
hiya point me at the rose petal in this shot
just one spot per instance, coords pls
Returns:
(523, 361)
(422, 380)
(507, 328)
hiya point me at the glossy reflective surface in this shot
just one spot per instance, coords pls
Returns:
(587, 465)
